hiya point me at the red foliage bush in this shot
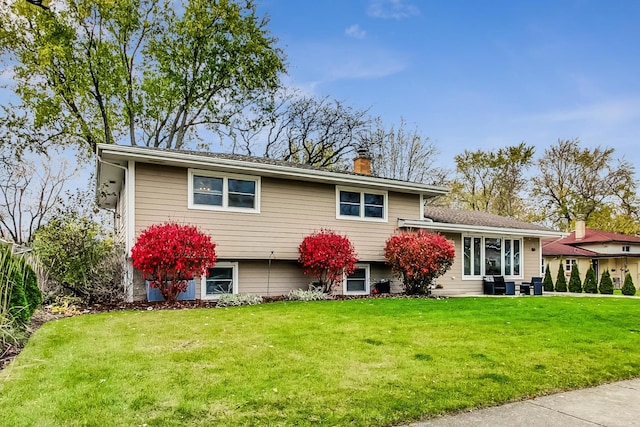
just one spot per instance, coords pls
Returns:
(327, 256)
(170, 254)
(419, 257)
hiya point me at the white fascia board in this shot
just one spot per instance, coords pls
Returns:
(172, 158)
(479, 229)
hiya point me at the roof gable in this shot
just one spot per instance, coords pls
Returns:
(599, 236)
(477, 218)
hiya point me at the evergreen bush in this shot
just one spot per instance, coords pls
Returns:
(591, 281)
(561, 281)
(547, 281)
(575, 283)
(628, 288)
(606, 284)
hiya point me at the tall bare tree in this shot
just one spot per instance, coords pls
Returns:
(321, 132)
(30, 192)
(404, 154)
(575, 181)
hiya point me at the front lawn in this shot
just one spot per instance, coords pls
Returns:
(358, 362)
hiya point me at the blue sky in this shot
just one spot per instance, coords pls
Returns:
(474, 74)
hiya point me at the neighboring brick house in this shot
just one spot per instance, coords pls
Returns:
(259, 210)
(618, 253)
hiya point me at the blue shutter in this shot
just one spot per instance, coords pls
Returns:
(153, 294)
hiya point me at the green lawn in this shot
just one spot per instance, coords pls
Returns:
(357, 362)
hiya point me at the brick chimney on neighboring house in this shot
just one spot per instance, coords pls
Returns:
(580, 229)
(362, 162)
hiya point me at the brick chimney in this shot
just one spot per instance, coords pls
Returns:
(362, 162)
(580, 229)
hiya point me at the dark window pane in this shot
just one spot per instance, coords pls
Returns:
(220, 273)
(241, 200)
(507, 257)
(349, 210)
(207, 190)
(373, 212)
(374, 199)
(360, 273)
(477, 255)
(356, 285)
(207, 184)
(467, 256)
(349, 197)
(516, 257)
(219, 280)
(493, 257)
(240, 186)
(207, 199)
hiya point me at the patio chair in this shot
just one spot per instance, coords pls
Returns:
(499, 287)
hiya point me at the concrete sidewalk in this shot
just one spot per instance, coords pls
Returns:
(615, 404)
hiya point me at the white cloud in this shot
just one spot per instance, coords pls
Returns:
(609, 112)
(356, 32)
(396, 9)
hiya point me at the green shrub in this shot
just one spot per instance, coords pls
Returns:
(628, 288)
(606, 285)
(575, 284)
(81, 258)
(591, 281)
(547, 281)
(233, 300)
(302, 295)
(561, 281)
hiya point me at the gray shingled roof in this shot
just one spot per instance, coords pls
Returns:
(478, 218)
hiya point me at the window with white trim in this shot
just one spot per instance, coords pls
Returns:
(568, 265)
(488, 256)
(220, 279)
(542, 267)
(626, 248)
(358, 282)
(215, 191)
(352, 203)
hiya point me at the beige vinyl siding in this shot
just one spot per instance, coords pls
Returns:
(289, 211)
(531, 258)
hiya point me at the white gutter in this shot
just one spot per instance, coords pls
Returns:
(173, 158)
(464, 228)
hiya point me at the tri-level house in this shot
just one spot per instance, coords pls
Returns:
(618, 253)
(258, 210)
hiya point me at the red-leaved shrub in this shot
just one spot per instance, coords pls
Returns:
(419, 257)
(327, 256)
(170, 254)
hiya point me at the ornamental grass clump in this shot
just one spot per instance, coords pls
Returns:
(236, 300)
(575, 284)
(561, 281)
(591, 282)
(170, 254)
(302, 295)
(419, 258)
(628, 288)
(328, 257)
(606, 284)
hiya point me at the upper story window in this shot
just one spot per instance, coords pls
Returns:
(626, 248)
(215, 191)
(352, 203)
